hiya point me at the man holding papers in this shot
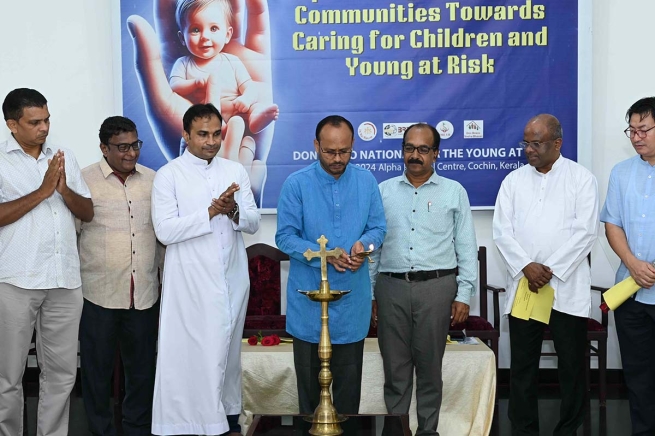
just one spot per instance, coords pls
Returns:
(629, 225)
(544, 225)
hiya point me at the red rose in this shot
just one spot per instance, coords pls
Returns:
(252, 340)
(276, 339)
(268, 341)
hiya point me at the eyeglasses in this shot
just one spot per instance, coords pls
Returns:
(422, 149)
(630, 132)
(535, 145)
(136, 145)
(335, 153)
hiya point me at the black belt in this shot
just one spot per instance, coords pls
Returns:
(421, 276)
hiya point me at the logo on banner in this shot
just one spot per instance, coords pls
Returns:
(394, 130)
(367, 131)
(473, 129)
(445, 129)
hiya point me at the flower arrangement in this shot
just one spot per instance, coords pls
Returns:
(266, 341)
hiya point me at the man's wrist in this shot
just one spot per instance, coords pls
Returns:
(65, 191)
(234, 212)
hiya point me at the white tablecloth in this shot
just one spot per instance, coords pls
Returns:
(469, 376)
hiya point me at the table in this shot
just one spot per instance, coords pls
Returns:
(294, 425)
(469, 376)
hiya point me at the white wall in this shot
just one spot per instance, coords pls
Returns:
(66, 53)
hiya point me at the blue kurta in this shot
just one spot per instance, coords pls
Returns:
(346, 210)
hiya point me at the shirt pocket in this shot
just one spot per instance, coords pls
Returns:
(439, 216)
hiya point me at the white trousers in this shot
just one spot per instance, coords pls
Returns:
(56, 315)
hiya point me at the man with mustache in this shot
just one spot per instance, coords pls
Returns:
(342, 202)
(41, 193)
(201, 204)
(423, 277)
(545, 224)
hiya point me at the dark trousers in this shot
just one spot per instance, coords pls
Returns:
(635, 327)
(136, 333)
(570, 339)
(414, 319)
(346, 368)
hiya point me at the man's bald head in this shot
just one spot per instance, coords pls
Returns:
(552, 124)
(542, 139)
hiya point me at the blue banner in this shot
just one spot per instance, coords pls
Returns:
(477, 70)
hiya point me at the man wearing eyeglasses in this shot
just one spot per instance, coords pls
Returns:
(119, 260)
(342, 202)
(545, 224)
(630, 228)
(423, 277)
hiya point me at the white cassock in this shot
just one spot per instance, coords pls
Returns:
(550, 219)
(204, 296)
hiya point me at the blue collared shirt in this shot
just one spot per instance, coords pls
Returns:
(346, 210)
(630, 204)
(429, 227)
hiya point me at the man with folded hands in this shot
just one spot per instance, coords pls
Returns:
(545, 224)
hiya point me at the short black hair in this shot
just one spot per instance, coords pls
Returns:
(115, 126)
(643, 107)
(436, 138)
(335, 121)
(18, 99)
(199, 111)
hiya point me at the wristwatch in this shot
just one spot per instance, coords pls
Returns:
(234, 212)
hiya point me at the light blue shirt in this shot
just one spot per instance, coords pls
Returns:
(428, 228)
(630, 204)
(346, 210)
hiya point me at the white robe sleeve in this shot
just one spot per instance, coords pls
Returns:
(249, 217)
(513, 254)
(170, 227)
(584, 230)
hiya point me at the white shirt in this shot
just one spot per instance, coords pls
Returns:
(39, 251)
(550, 219)
(204, 297)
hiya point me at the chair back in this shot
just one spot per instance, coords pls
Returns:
(265, 279)
(264, 312)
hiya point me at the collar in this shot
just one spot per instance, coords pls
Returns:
(108, 171)
(434, 179)
(644, 162)
(13, 145)
(556, 165)
(194, 160)
(323, 175)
